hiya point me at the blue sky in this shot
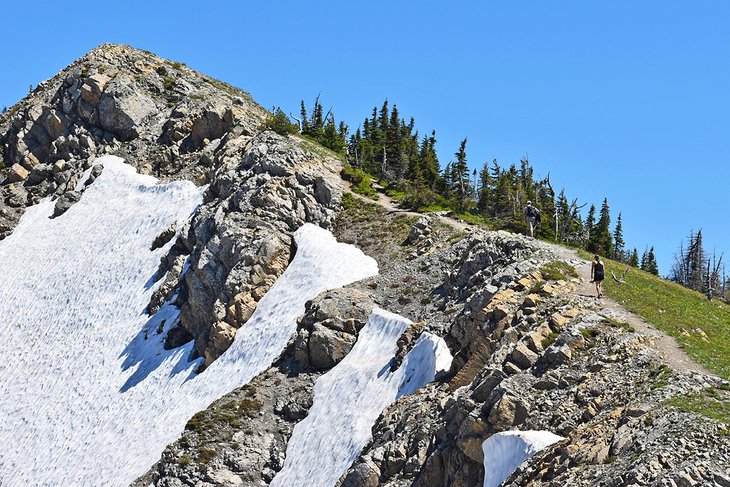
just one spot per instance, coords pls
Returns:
(627, 100)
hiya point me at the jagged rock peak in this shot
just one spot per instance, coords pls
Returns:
(159, 115)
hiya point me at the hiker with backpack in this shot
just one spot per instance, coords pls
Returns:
(597, 274)
(532, 217)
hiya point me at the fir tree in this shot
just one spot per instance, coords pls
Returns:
(634, 259)
(651, 264)
(603, 242)
(618, 241)
(590, 227)
(461, 181)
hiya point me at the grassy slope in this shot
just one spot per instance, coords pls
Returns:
(674, 309)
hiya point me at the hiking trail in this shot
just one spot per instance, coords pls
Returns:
(666, 345)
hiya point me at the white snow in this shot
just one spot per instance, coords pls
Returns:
(350, 397)
(88, 396)
(504, 452)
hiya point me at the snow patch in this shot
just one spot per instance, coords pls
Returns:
(88, 395)
(350, 397)
(504, 452)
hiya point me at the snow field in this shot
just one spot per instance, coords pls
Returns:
(504, 452)
(350, 397)
(88, 395)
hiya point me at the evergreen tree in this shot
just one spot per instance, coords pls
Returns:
(461, 182)
(618, 241)
(562, 216)
(603, 241)
(484, 189)
(651, 264)
(634, 259)
(280, 123)
(590, 227)
(305, 119)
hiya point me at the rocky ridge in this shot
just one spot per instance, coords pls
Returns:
(172, 122)
(530, 352)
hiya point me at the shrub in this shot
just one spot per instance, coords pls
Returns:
(280, 123)
(362, 182)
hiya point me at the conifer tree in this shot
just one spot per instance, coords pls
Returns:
(618, 241)
(461, 184)
(590, 227)
(603, 242)
(634, 259)
(651, 264)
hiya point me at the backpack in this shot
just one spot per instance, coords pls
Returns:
(536, 213)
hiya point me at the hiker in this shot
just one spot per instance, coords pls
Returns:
(597, 274)
(532, 217)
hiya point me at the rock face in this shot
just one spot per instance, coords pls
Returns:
(168, 120)
(329, 329)
(118, 100)
(240, 240)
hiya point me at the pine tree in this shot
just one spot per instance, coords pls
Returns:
(634, 259)
(484, 189)
(305, 119)
(618, 241)
(562, 216)
(461, 183)
(651, 264)
(604, 244)
(590, 227)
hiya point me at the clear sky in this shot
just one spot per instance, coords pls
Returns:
(628, 100)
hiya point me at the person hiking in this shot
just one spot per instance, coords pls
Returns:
(532, 217)
(597, 274)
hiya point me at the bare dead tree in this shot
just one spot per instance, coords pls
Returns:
(299, 122)
(623, 276)
(713, 275)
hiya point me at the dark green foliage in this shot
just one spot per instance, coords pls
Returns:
(557, 271)
(280, 123)
(648, 262)
(323, 128)
(634, 259)
(387, 149)
(618, 241)
(362, 182)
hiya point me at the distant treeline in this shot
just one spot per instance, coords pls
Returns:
(388, 150)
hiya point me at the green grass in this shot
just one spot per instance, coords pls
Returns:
(558, 271)
(709, 403)
(185, 460)
(434, 207)
(672, 308)
(362, 182)
(474, 219)
(395, 194)
(548, 340)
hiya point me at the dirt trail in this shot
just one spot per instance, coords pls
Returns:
(385, 201)
(667, 346)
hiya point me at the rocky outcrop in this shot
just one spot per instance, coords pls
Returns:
(240, 240)
(241, 439)
(173, 122)
(531, 354)
(329, 329)
(123, 101)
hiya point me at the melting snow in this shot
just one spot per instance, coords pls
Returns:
(350, 397)
(88, 396)
(504, 452)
